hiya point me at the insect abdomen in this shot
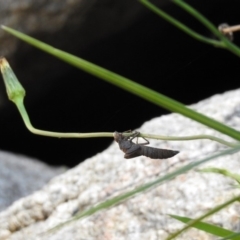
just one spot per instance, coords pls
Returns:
(156, 153)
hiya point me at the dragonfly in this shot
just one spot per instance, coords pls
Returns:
(133, 150)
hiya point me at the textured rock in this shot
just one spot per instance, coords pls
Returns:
(20, 176)
(34, 17)
(145, 216)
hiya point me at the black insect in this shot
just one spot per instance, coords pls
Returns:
(133, 150)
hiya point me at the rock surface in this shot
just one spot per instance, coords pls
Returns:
(20, 176)
(42, 16)
(145, 216)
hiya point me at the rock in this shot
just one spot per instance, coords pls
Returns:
(21, 176)
(146, 215)
(33, 17)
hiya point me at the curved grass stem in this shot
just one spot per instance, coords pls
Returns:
(29, 126)
(16, 93)
(25, 117)
(23, 112)
(193, 137)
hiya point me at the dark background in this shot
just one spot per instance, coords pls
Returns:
(152, 52)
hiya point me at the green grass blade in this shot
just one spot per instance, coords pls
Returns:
(224, 172)
(118, 199)
(229, 45)
(180, 25)
(126, 84)
(234, 236)
(223, 43)
(206, 227)
(209, 213)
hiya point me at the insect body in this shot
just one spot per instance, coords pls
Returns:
(133, 150)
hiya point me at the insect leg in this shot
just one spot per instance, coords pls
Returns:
(134, 135)
(146, 143)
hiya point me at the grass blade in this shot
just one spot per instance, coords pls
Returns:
(224, 172)
(180, 25)
(206, 227)
(234, 236)
(228, 44)
(127, 84)
(209, 213)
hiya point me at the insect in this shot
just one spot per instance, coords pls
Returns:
(133, 150)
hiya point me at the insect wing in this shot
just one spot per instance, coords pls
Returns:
(134, 151)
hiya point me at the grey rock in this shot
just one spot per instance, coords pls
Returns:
(145, 216)
(33, 17)
(21, 176)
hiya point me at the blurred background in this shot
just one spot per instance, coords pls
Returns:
(122, 36)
